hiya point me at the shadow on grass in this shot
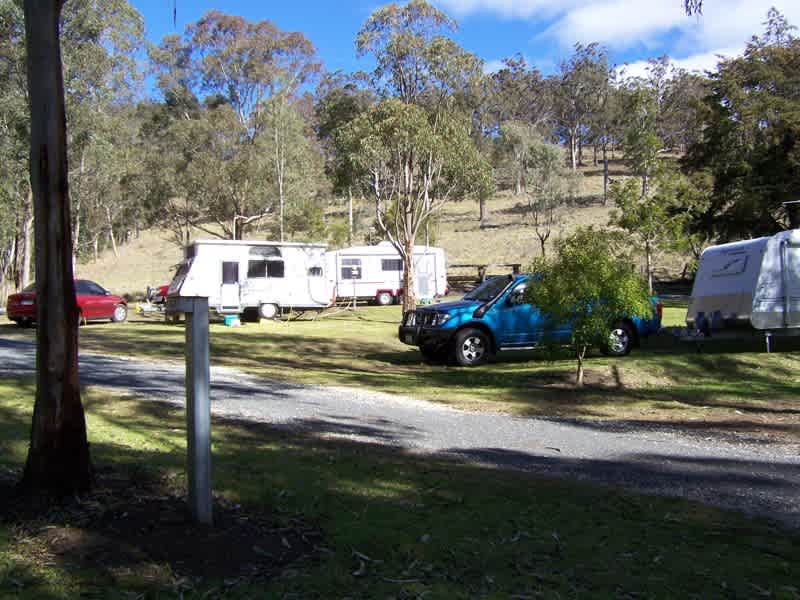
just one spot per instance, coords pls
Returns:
(444, 522)
(733, 376)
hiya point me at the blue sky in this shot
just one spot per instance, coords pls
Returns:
(543, 31)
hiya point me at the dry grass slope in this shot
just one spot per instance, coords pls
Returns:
(508, 238)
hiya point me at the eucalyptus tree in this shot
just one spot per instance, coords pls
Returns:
(415, 142)
(549, 185)
(577, 91)
(16, 201)
(750, 143)
(58, 456)
(340, 99)
(250, 74)
(642, 142)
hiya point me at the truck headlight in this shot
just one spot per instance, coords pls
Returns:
(439, 319)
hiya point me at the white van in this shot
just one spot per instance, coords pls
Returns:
(376, 273)
(255, 278)
(752, 284)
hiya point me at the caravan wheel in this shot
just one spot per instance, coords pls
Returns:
(384, 299)
(268, 311)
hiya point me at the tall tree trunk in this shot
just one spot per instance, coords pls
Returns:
(580, 353)
(409, 293)
(77, 231)
(518, 182)
(648, 251)
(482, 209)
(605, 176)
(645, 185)
(58, 457)
(427, 205)
(27, 249)
(349, 215)
(111, 237)
(573, 150)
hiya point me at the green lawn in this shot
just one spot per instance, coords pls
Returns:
(732, 386)
(432, 529)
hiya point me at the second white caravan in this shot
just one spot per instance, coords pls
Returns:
(255, 279)
(376, 273)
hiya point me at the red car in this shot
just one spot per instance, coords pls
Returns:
(94, 302)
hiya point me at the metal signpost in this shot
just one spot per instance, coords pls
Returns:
(198, 405)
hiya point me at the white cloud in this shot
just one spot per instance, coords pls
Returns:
(510, 9)
(698, 63)
(616, 23)
(622, 24)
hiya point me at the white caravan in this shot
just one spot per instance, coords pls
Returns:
(255, 278)
(376, 273)
(752, 283)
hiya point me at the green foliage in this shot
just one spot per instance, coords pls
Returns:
(306, 217)
(548, 185)
(653, 220)
(642, 141)
(751, 143)
(590, 284)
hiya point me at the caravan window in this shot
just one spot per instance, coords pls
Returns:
(351, 268)
(256, 269)
(315, 272)
(391, 264)
(275, 268)
(230, 272)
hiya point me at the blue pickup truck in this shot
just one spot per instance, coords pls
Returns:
(495, 317)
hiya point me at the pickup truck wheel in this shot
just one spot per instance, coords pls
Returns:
(620, 340)
(384, 299)
(471, 347)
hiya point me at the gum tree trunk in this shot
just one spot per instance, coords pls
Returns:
(409, 293)
(58, 457)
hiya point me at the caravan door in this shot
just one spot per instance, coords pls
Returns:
(230, 290)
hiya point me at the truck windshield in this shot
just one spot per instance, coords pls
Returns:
(489, 289)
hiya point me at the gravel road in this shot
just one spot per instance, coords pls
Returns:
(760, 479)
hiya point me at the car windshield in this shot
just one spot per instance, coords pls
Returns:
(489, 289)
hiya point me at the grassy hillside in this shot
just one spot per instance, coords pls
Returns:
(508, 236)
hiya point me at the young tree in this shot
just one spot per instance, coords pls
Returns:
(548, 186)
(416, 142)
(58, 457)
(649, 218)
(415, 169)
(642, 142)
(589, 284)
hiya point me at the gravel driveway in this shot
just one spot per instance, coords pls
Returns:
(761, 479)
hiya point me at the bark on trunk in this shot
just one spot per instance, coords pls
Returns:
(27, 247)
(605, 177)
(648, 251)
(58, 457)
(580, 352)
(349, 215)
(573, 150)
(409, 293)
(482, 209)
